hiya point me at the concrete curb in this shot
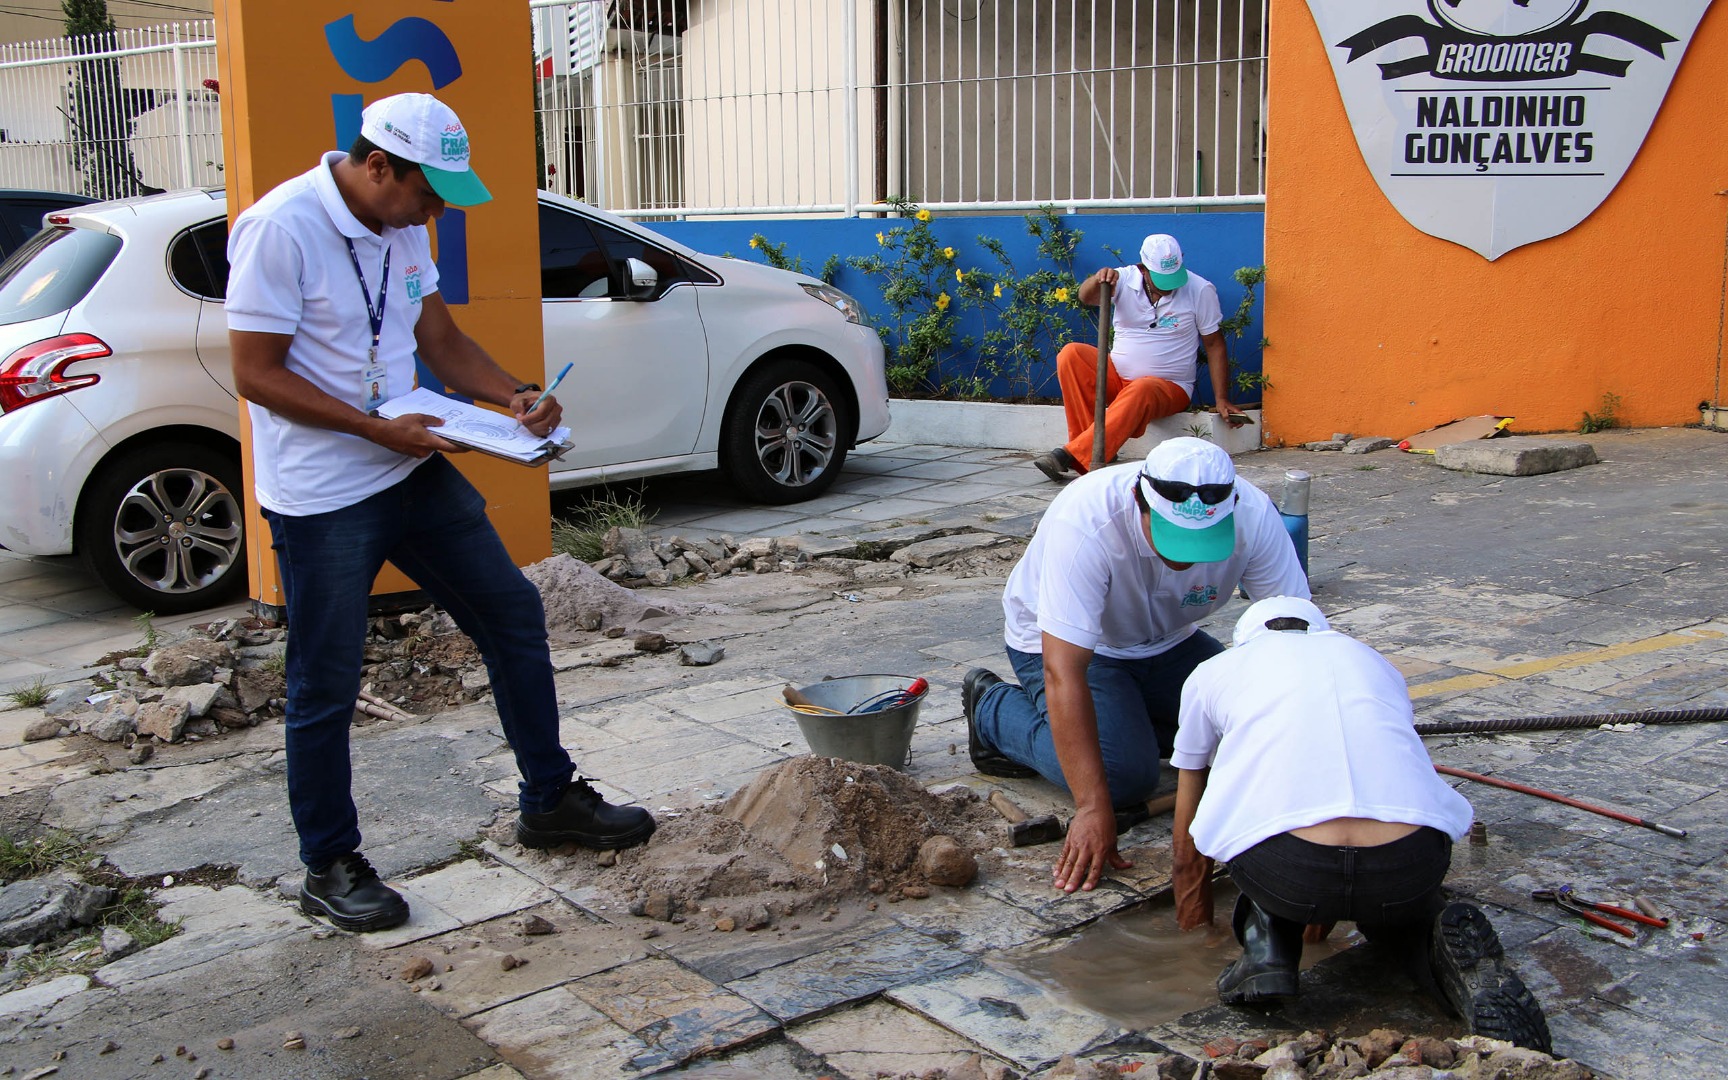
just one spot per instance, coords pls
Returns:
(1035, 428)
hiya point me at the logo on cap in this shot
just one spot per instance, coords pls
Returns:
(1169, 264)
(1193, 509)
(453, 143)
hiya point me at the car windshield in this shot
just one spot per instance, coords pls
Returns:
(52, 271)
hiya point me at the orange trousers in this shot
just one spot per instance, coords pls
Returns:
(1131, 404)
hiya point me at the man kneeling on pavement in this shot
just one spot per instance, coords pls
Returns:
(1299, 766)
(1101, 615)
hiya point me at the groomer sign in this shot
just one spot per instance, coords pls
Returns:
(1498, 123)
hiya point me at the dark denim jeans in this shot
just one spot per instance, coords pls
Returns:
(1137, 703)
(433, 526)
(1385, 890)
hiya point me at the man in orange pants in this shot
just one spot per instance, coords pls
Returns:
(1162, 314)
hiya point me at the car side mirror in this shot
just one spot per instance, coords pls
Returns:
(641, 281)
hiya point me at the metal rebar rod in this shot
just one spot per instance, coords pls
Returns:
(1524, 789)
(1576, 720)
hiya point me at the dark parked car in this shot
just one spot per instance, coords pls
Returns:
(21, 214)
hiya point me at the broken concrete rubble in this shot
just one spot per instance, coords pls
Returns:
(36, 909)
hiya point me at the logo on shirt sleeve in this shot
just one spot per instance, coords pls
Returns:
(411, 282)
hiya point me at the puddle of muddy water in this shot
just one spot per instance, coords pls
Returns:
(1137, 969)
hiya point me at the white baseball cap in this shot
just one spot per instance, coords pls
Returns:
(424, 130)
(1190, 486)
(1161, 255)
(1253, 621)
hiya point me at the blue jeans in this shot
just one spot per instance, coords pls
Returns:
(1137, 703)
(432, 524)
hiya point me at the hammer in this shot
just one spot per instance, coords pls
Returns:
(1022, 830)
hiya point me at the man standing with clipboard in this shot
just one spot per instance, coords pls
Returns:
(332, 290)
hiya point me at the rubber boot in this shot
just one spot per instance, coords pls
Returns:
(1474, 979)
(1271, 957)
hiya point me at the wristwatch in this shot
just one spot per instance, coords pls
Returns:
(526, 387)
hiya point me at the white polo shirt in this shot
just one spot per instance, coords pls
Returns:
(290, 273)
(1301, 728)
(1161, 338)
(1091, 578)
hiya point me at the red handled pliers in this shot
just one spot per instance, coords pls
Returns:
(1592, 912)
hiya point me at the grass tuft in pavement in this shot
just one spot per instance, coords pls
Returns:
(80, 952)
(31, 694)
(581, 534)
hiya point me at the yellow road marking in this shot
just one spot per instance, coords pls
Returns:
(1478, 680)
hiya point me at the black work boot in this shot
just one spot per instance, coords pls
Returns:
(1470, 967)
(985, 758)
(584, 818)
(349, 894)
(1056, 463)
(1271, 959)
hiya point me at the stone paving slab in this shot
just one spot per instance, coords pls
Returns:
(1516, 455)
(971, 920)
(555, 1035)
(37, 999)
(727, 958)
(1005, 1015)
(477, 979)
(1032, 892)
(408, 822)
(215, 924)
(40, 766)
(297, 983)
(677, 1013)
(461, 894)
(862, 969)
(882, 1039)
(1625, 1044)
(777, 1059)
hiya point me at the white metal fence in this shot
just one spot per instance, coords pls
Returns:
(661, 108)
(751, 107)
(111, 115)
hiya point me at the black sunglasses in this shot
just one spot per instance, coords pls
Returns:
(1178, 492)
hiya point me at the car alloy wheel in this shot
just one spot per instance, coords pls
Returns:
(786, 435)
(178, 530)
(165, 529)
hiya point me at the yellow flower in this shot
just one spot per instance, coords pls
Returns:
(880, 239)
(942, 302)
(947, 253)
(960, 276)
(998, 290)
(1062, 296)
(922, 215)
(755, 242)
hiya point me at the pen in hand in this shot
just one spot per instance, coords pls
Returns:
(555, 381)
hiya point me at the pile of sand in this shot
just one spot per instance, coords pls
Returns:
(577, 598)
(803, 834)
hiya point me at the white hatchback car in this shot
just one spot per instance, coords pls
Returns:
(119, 426)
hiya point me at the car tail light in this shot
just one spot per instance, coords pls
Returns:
(38, 370)
(59, 219)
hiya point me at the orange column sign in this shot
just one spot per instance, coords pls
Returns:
(295, 78)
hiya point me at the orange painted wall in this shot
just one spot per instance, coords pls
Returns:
(277, 76)
(1378, 329)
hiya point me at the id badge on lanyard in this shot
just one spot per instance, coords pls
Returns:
(374, 374)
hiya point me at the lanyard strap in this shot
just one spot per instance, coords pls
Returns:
(373, 316)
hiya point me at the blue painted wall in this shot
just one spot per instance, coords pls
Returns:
(1215, 244)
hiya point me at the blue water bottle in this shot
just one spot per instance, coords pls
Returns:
(1293, 508)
